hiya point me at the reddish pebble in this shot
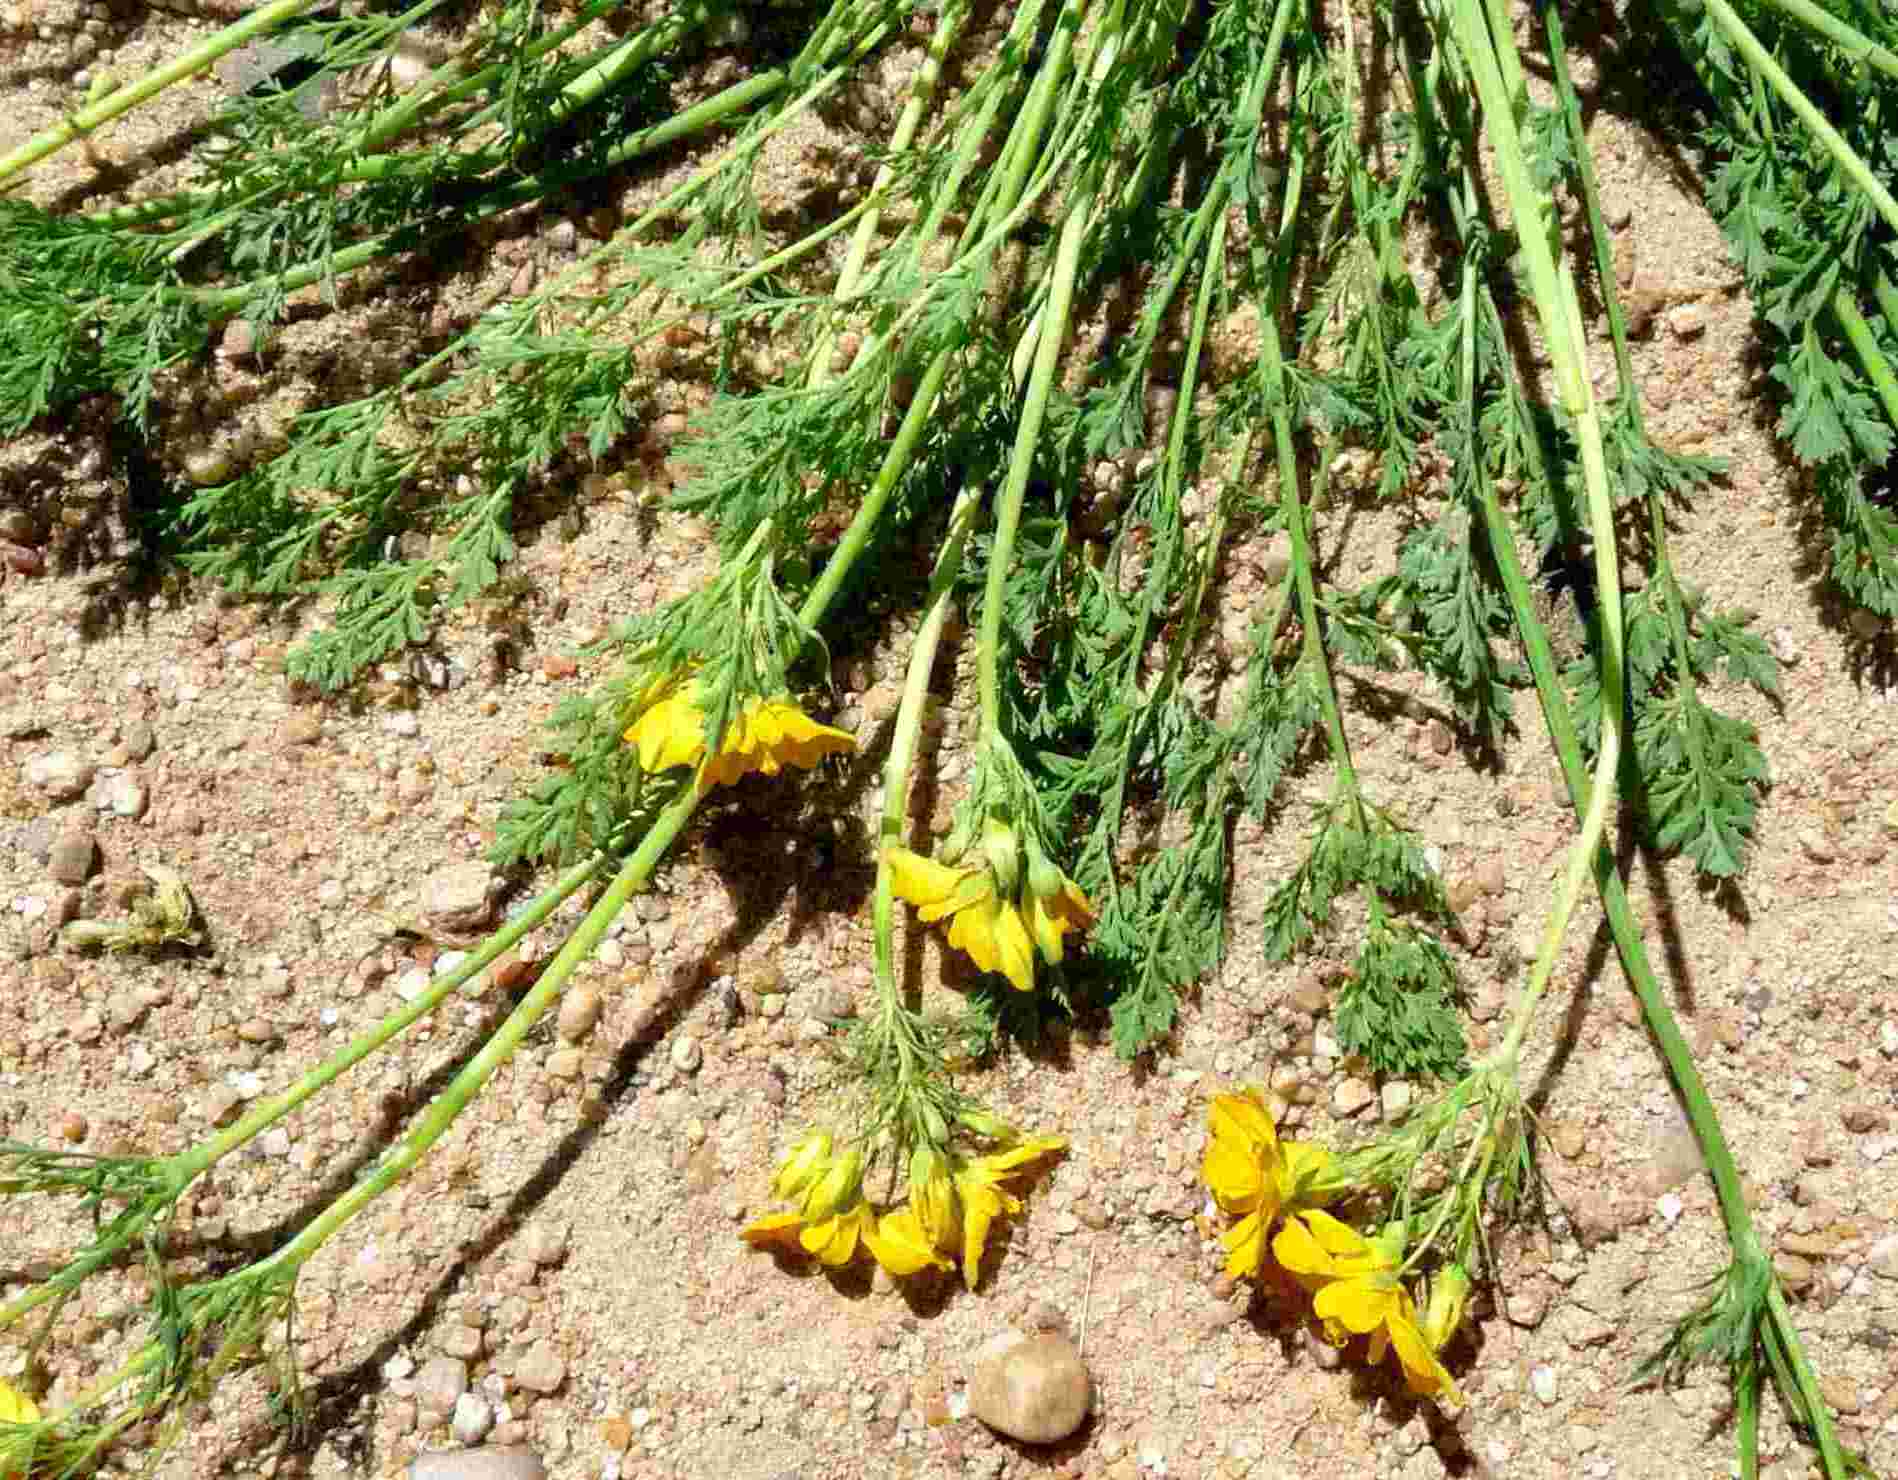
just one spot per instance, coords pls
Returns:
(512, 973)
(21, 559)
(558, 665)
(73, 1128)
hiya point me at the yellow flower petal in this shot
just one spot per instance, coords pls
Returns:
(972, 932)
(1341, 1242)
(1000, 1163)
(1362, 1303)
(1234, 1175)
(774, 1229)
(980, 1205)
(1244, 1243)
(1051, 918)
(1243, 1118)
(15, 1406)
(897, 1242)
(1017, 950)
(920, 880)
(833, 1242)
(1424, 1375)
(670, 732)
(1298, 1251)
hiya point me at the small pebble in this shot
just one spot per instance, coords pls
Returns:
(1542, 1383)
(60, 775)
(542, 1370)
(1035, 1390)
(479, 1464)
(579, 1011)
(74, 856)
(1865, 625)
(1351, 1096)
(441, 1382)
(460, 899)
(473, 1418)
(124, 797)
(545, 1244)
(686, 1055)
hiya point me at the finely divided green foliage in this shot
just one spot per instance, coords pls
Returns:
(1817, 259)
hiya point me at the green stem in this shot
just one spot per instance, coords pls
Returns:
(1291, 496)
(1559, 311)
(1865, 348)
(434, 1124)
(704, 115)
(195, 59)
(1053, 332)
(178, 1172)
(903, 744)
(1659, 1014)
(1765, 66)
(921, 91)
(265, 1113)
(1856, 45)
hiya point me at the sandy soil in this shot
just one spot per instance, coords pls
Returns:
(573, 1245)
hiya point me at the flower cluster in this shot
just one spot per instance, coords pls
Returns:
(15, 1408)
(953, 1203)
(765, 735)
(1000, 913)
(1356, 1281)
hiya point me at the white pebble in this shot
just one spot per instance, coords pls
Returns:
(1669, 1207)
(412, 983)
(1542, 1383)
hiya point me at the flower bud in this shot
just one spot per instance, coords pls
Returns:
(935, 1127)
(835, 1189)
(802, 1166)
(986, 1123)
(1449, 1298)
(1002, 850)
(1043, 877)
(933, 1195)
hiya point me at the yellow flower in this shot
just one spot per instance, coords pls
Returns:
(834, 1188)
(16, 1407)
(833, 1240)
(933, 1195)
(987, 923)
(984, 1199)
(774, 1229)
(807, 1160)
(765, 735)
(1254, 1176)
(1361, 1293)
(1054, 916)
(900, 1244)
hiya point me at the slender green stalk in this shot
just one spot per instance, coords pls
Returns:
(922, 90)
(1781, 1335)
(1765, 66)
(691, 120)
(402, 1159)
(1291, 496)
(1865, 347)
(896, 771)
(1052, 327)
(176, 1173)
(1559, 312)
(1856, 44)
(195, 59)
